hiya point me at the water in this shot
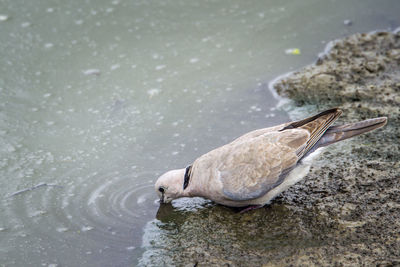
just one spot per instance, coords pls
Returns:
(98, 98)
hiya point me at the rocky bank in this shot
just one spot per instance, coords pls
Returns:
(346, 212)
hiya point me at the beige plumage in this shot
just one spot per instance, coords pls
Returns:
(256, 167)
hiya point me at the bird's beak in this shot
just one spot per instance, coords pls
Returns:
(162, 199)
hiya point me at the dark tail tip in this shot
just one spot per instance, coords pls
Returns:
(338, 133)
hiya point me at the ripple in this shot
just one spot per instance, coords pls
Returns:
(101, 214)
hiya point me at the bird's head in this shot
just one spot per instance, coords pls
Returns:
(169, 186)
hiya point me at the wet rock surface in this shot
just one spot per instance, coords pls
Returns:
(346, 212)
(357, 182)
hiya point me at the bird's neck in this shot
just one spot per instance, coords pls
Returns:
(182, 192)
(189, 191)
(192, 190)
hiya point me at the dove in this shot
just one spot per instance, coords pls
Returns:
(256, 167)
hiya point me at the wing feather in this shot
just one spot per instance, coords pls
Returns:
(252, 168)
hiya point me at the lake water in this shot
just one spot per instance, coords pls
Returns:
(98, 98)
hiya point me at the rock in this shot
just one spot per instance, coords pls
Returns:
(366, 184)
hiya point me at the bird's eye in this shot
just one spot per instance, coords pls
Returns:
(161, 189)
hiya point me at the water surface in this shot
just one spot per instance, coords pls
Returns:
(98, 98)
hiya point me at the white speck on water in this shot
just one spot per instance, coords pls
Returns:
(38, 213)
(3, 17)
(347, 22)
(93, 111)
(52, 265)
(153, 92)
(292, 51)
(79, 22)
(10, 148)
(115, 2)
(141, 199)
(261, 15)
(255, 108)
(2, 229)
(48, 45)
(87, 228)
(109, 10)
(62, 229)
(50, 10)
(133, 66)
(174, 153)
(23, 235)
(160, 80)
(194, 60)
(228, 89)
(269, 115)
(160, 67)
(34, 109)
(92, 72)
(130, 248)
(115, 66)
(47, 95)
(25, 24)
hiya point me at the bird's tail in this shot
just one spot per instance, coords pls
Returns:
(338, 133)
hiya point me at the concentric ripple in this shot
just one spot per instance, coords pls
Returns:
(100, 217)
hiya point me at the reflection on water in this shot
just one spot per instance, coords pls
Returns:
(98, 98)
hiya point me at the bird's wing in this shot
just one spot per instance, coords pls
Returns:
(316, 126)
(250, 168)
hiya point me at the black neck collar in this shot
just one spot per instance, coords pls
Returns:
(188, 172)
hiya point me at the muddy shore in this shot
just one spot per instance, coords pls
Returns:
(346, 212)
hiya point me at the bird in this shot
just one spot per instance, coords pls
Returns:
(256, 167)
